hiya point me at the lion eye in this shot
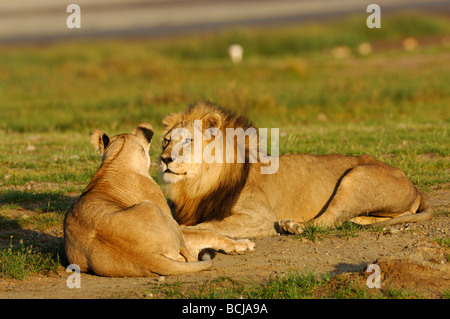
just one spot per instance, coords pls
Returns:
(188, 140)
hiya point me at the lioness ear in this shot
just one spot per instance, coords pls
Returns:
(171, 119)
(100, 140)
(145, 131)
(212, 120)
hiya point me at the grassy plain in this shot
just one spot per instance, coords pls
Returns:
(392, 103)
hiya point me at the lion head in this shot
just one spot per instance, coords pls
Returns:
(132, 147)
(205, 174)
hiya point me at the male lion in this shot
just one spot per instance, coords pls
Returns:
(121, 225)
(235, 199)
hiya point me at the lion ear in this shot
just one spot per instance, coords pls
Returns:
(212, 120)
(145, 131)
(100, 140)
(170, 120)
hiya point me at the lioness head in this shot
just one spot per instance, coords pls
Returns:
(131, 149)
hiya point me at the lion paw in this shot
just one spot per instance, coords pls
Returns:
(240, 247)
(291, 226)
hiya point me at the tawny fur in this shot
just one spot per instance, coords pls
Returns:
(237, 200)
(121, 225)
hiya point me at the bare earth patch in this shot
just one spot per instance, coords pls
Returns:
(410, 257)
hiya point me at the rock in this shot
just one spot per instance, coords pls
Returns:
(392, 230)
(161, 279)
(30, 148)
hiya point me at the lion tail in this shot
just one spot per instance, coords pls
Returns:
(425, 211)
(167, 266)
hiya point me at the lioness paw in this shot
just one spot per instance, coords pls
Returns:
(290, 226)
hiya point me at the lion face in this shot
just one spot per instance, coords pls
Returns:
(188, 137)
(203, 142)
(183, 148)
(174, 168)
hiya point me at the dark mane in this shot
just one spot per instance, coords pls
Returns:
(217, 202)
(216, 205)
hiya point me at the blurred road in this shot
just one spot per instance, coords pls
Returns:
(45, 20)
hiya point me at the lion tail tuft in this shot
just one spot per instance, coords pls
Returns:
(206, 254)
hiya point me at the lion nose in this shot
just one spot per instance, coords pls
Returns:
(166, 159)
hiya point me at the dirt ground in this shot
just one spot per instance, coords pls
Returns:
(408, 255)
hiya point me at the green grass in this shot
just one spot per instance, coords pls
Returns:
(443, 241)
(316, 233)
(19, 262)
(283, 82)
(392, 104)
(296, 284)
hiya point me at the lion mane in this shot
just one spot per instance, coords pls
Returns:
(212, 195)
